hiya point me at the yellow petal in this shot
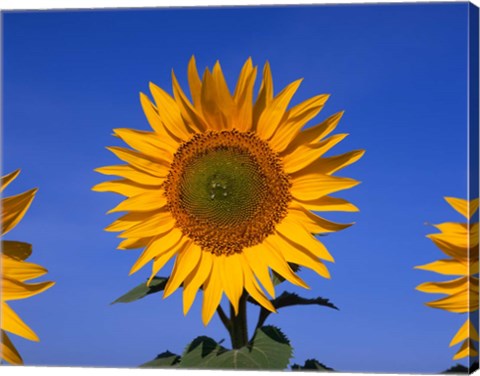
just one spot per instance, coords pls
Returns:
(194, 82)
(194, 117)
(156, 247)
(129, 220)
(123, 187)
(265, 95)
(275, 111)
(296, 119)
(328, 203)
(447, 267)
(259, 265)
(131, 173)
(448, 287)
(467, 331)
(221, 88)
(169, 113)
(473, 234)
(306, 154)
(15, 290)
(450, 249)
(454, 227)
(15, 325)
(453, 239)
(212, 293)
(169, 141)
(186, 261)
(315, 133)
(195, 279)
(307, 110)
(254, 290)
(243, 97)
(242, 81)
(458, 303)
(14, 208)
(16, 250)
(148, 143)
(278, 263)
(313, 223)
(217, 102)
(466, 350)
(231, 273)
(331, 165)
(134, 243)
(7, 179)
(8, 352)
(294, 253)
(160, 260)
(141, 162)
(313, 186)
(156, 224)
(210, 109)
(298, 234)
(464, 207)
(20, 270)
(147, 201)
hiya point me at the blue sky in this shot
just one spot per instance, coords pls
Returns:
(399, 72)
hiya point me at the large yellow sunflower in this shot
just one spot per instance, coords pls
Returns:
(15, 272)
(459, 241)
(226, 184)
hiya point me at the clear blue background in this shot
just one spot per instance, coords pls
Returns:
(399, 71)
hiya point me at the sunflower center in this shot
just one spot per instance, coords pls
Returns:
(227, 190)
(222, 186)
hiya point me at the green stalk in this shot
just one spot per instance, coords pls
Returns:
(239, 329)
(227, 323)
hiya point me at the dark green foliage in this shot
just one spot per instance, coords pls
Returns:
(268, 350)
(312, 365)
(166, 359)
(288, 299)
(142, 290)
(458, 368)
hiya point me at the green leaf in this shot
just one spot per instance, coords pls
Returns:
(269, 349)
(288, 299)
(157, 284)
(272, 348)
(311, 365)
(166, 359)
(199, 351)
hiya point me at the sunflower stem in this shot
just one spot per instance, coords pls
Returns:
(239, 332)
(227, 323)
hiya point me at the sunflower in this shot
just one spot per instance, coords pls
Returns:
(226, 185)
(15, 272)
(459, 241)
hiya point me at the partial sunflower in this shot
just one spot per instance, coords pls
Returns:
(459, 241)
(15, 272)
(226, 184)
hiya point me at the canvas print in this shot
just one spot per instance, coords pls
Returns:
(257, 188)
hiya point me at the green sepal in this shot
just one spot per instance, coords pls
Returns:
(277, 278)
(156, 285)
